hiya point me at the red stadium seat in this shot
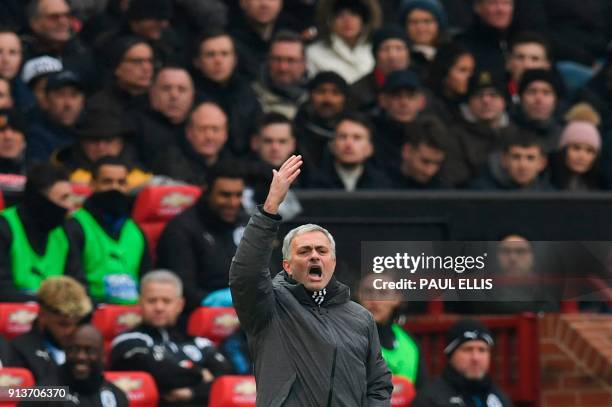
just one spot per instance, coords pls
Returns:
(232, 391)
(80, 192)
(111, 320)
(139, 387)
(14, 377)
(214, 323)
(156, 205)
(1, 201)
(16, 318)
(403, 392)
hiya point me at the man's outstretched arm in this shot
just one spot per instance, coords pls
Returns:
(249, 276)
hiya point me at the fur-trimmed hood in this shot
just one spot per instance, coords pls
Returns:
(324, 17)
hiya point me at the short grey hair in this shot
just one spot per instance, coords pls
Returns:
(163, 276)
(300, 230)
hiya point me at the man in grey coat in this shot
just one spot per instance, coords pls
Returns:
(311, 345)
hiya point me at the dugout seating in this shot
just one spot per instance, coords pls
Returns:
(80, 192)
(1, 201)
(214, 323)
(16, 318)
(403, 392)
(14, 377)
(232, 391)
(111, 320)
(139, 387)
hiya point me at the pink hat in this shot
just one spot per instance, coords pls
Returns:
(581, 132)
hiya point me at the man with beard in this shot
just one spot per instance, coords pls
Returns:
(114, 252)
(33, 243)
(465, 380)
(83, 374)
(63, 305)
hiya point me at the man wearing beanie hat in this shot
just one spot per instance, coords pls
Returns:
(64, 304)
(316, 119)
(465, 380)
(391, 53)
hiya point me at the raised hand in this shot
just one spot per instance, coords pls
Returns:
(281, 181)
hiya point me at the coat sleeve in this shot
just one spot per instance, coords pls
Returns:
(380, 386)
(249, 276)
(8, 291)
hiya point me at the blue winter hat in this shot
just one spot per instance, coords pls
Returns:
(433, 6)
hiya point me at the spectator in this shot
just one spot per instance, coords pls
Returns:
(466, 378)
(537, 113)
(64, 304)
(391, 53)
(216, 79)
(201, 147)
(183, 366)
(344, 47)
(317, 117)
(448, 77)
(6, 97)
(12, 150)
(83, 373)
(351, 148)
(113, 249)
(425, 25)
(11, 58)
(35, 74)
(423, 154)
(281, 86)
(598, 92)
(199, 243)
(515, 255)
(162, 125)
(33, 243)
(401, 100)
(519, 168)
(62, 107)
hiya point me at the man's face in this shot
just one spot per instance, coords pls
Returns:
(225, 198)
(262, 12)
(487, 105)
(160, 304)
(392, 55)
(172, 94)
(327, 100)
(523, 57)
(84, 353)
(422, 27)
(459, 74)
(135, 71)
(422, 162)
(347, 25)
(53, 21)
(538, 101)
(150, 29)
(111, 177)
(403, 105)
(217, 59)
(274, 143)
(496, 13)
(312, 261)
(351, 145)
(95, 149)
(515, 255)
(523, 164)
(60, 194)
(472, 359)
(286, 64)
(10, 55)
(12, 143)
(207, 130)
(65, 104)
(6, 99)
(61, 327)
(580, 157)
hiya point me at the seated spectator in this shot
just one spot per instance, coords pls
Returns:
(448, 77)
(35, 74)
(11, 58)
(351, 148)
(113, 250)
(598, 92)
(62, 107)
(537, 112)
(281, 86)
(401, 100)
(200, 242)
(6, 97)
(391, 53)
(216, 79)
(423, 154)
(64, 304)
(33, 243)
(201, 147)
(316, 119)
(83, 373)
(12, 151)
(183, 367)
(425, 25)
(162, 125)
(466, 379)
(344, 46)
(519, 168)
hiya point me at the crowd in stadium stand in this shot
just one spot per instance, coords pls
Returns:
(117, 95)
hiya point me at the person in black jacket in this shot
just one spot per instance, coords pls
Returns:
(5, 352)
(183, 366)
(465, 380)
(199, 243)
